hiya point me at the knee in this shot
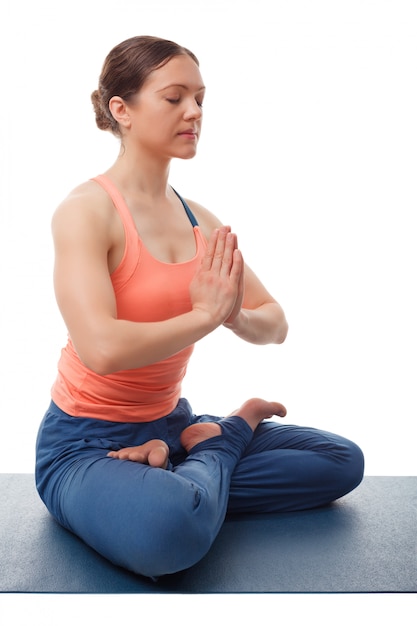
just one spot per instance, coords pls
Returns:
(357, 462)
(351, 468)
(170, 547)
(175, 539)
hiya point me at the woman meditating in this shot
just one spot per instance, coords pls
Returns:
(141, 275)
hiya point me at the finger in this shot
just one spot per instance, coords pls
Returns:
(210, 249)
(223, 247)
(215, 248)
(227, 257)
(237, 268)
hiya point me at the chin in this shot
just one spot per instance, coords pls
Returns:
(186, 155)
(187, 158)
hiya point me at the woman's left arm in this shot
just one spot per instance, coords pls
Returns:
(257, 317)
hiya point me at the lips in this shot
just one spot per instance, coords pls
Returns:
(188, 132)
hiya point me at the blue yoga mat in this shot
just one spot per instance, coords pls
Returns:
(364, 542)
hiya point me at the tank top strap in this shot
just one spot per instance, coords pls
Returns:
(132, 250)
(190, 214)
(120, 204)
(117, 198)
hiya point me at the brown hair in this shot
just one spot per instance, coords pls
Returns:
(126, 68)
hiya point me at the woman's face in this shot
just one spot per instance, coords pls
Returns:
(166, 114)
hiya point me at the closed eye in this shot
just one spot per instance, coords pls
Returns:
(178, 100)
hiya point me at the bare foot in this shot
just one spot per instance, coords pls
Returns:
(253, 411)
(154, 452)
(197, 433)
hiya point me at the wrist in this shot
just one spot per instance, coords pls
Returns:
(239, 323)
(203, 320)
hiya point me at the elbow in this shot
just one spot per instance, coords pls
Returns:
(99, 364)
(101, 367)
(282, 332)
(99, 357)
(280, 325)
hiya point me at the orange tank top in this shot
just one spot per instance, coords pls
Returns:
(146, 290)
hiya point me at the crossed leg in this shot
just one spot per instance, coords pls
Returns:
(155, 452)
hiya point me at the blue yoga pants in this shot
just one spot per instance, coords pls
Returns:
(154, 521)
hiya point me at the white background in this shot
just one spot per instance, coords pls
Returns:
(308, 151)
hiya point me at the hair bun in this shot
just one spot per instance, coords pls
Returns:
(102, 120)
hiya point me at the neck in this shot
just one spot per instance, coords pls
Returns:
(137, 173)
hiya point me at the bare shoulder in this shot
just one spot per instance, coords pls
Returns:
(205, 218)
(87, 203)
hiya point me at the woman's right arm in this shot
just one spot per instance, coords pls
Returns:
(82, 233)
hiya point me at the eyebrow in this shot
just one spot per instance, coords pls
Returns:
(202, 88)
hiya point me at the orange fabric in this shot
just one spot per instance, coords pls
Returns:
(146, 290)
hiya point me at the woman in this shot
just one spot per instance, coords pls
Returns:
(140, 276)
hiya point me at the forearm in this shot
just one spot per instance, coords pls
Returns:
(122, 345)
(264, 325)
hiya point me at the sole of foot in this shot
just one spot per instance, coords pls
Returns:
(253, 411)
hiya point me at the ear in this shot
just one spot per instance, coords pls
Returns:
(119, 111)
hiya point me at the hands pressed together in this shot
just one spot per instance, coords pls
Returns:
(218, 286)
(217, 290)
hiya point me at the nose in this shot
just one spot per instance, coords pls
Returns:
(193, 110)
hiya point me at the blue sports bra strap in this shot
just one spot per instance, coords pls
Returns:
(187, 209)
